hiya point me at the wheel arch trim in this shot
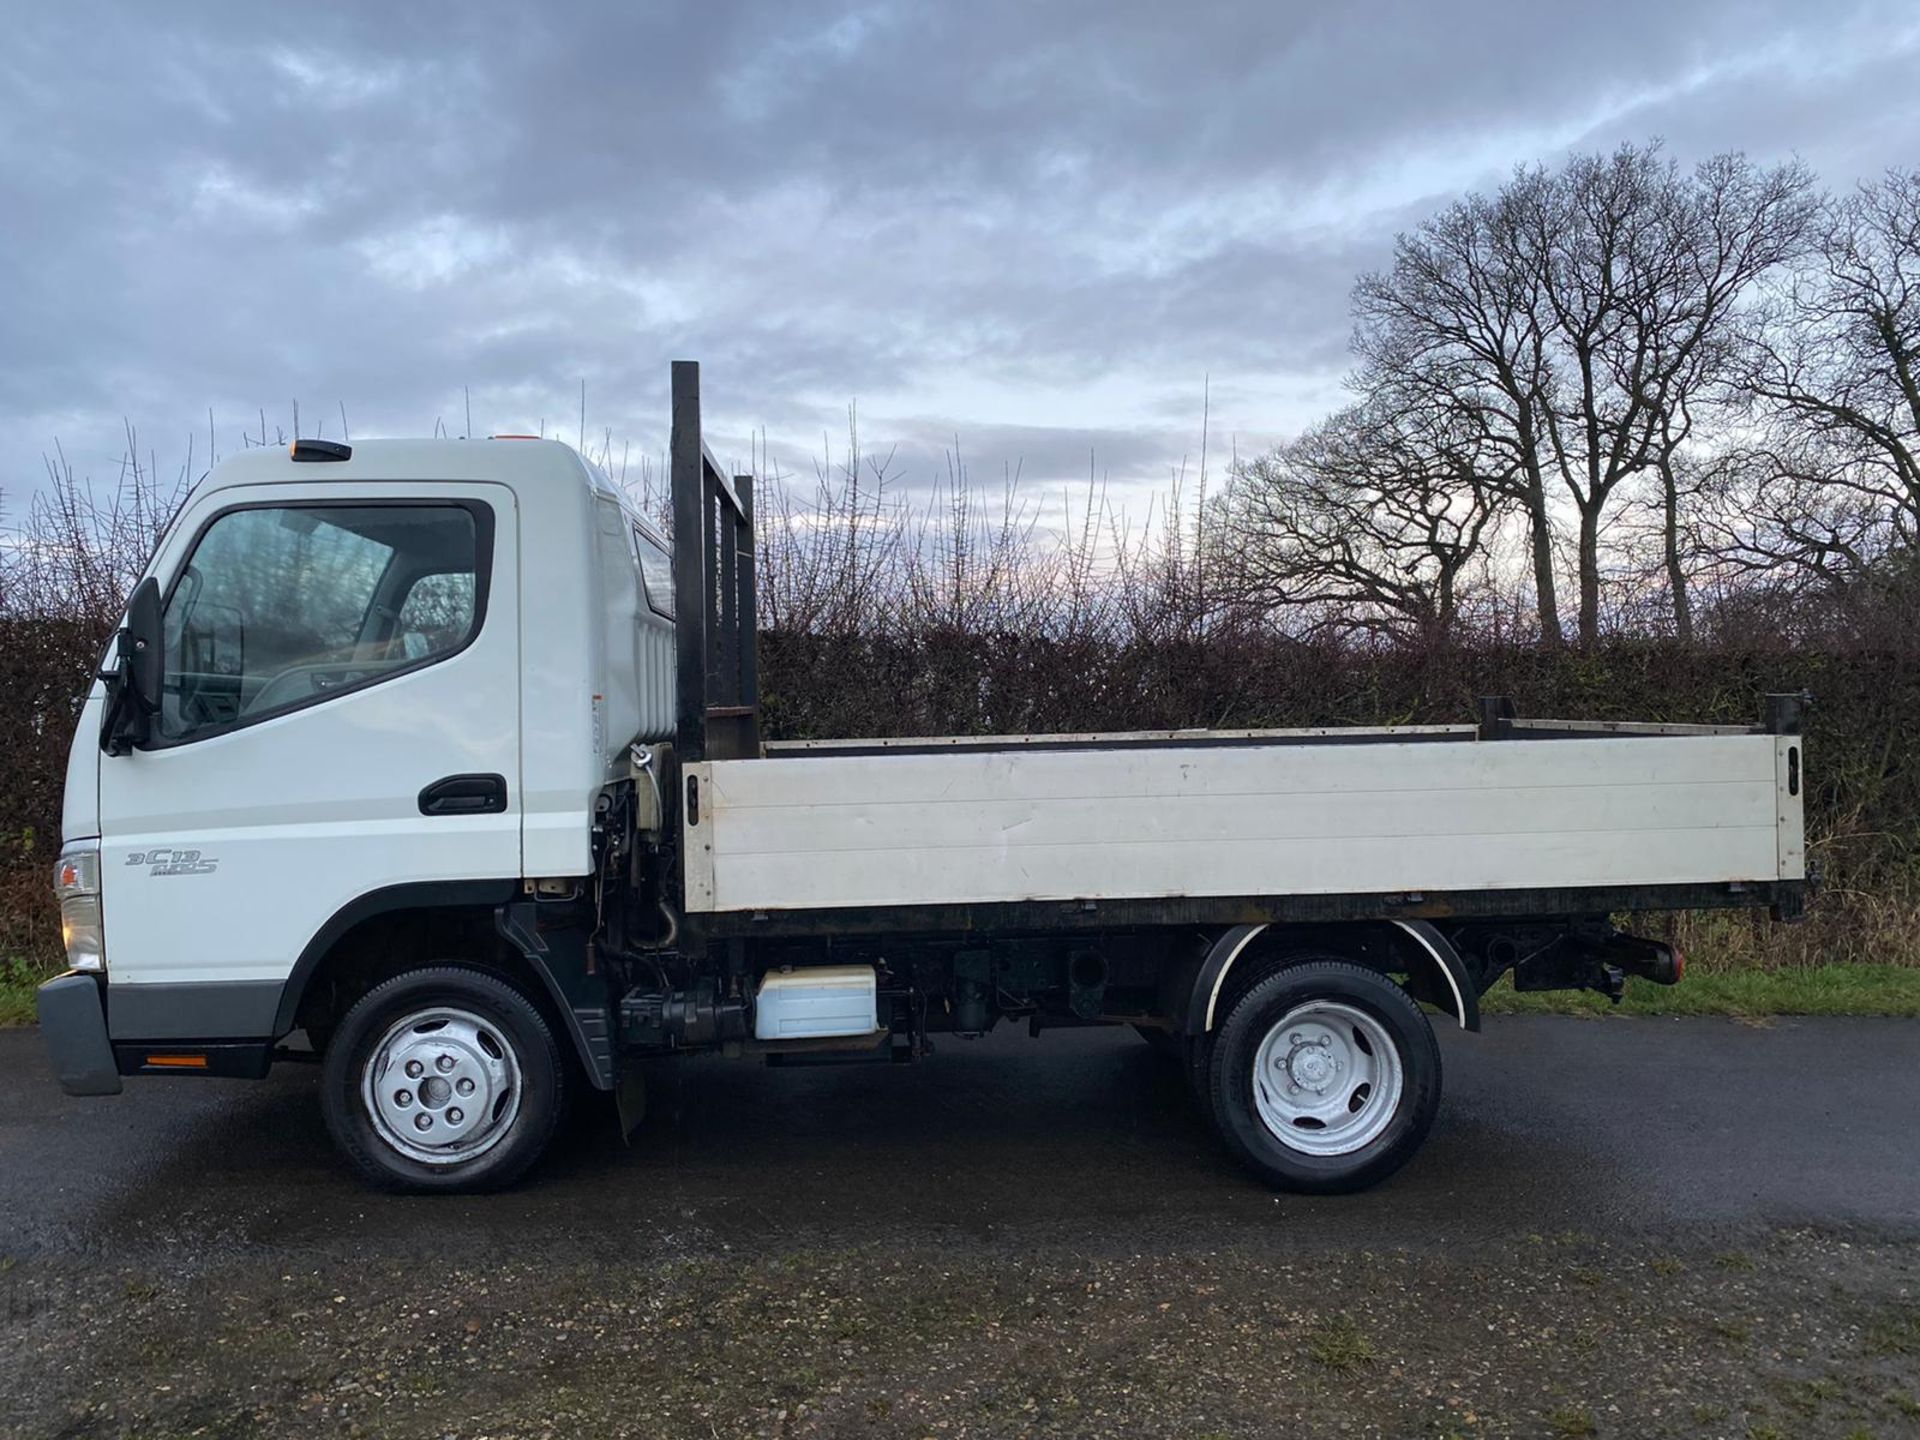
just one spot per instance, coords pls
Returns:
(389, 900)
(588, 1026)
(1417, 939)
(1446, 959)
(1213, 975)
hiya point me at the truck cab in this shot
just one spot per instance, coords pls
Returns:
(364, 703)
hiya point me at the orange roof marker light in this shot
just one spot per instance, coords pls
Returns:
(319, 450)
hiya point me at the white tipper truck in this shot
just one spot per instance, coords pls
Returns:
(433, 762)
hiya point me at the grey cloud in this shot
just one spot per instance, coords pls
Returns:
(1042, 224)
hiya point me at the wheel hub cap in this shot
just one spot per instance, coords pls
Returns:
(1310, 1067)
(442, 1086)
(1327, 1078)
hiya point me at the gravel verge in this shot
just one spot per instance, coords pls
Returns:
(1791, 1333)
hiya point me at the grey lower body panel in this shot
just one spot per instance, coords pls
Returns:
(74, 1024)
(212, 1010)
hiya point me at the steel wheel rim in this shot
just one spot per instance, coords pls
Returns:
(443, 1085)
(1327, 1078)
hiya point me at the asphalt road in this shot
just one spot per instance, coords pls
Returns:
(1680, 1127)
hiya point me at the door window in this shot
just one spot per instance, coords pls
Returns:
(281, 606)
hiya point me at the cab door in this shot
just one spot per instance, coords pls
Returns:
(339, 715)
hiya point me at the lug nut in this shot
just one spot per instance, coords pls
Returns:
(423, 1122)
(465, 1087)
(444, 1063)
(415, 1069)
(403, 1097)
(454, 1116)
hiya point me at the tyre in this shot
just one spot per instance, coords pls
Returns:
(443, 1079)
(1324, 1077)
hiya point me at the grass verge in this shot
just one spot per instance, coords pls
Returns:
(17, 984)
(1802, 990)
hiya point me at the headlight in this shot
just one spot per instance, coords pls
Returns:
(76, 880)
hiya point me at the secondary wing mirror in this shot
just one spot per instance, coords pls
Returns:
(133, 679)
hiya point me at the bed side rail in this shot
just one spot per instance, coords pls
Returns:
(1779, 715)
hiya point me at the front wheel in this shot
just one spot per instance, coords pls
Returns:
(442, 1079)
(1324, 1077)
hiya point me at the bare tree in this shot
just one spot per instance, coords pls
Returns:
(1765, 517)
(1368, 522)
(826, 562)
(1586, 314)
(969, 562)
(1835, 370)
(1642, 268)
(1457, 322)
(83, 544)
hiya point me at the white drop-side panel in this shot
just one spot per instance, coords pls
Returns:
(823, 831)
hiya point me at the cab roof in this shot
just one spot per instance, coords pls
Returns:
(522, 463)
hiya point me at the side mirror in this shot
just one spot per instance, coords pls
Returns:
(133, 680)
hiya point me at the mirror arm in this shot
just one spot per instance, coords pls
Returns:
(133, 684)
(115, 671)
(128, 721)
(125, 723)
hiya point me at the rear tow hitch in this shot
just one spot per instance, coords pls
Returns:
(1624, 955)
(1653, 960)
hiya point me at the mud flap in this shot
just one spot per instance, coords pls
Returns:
(630, 1098)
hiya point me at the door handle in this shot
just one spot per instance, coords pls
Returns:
(465, 795)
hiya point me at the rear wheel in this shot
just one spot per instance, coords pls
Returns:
(442, 1079)
(1324, 1077)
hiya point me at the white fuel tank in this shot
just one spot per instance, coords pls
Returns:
(816, 1003)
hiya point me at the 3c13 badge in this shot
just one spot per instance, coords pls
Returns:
(173, 862)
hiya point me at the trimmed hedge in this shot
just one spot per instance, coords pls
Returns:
(1863, 734)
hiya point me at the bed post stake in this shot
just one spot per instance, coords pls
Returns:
(1496, 717)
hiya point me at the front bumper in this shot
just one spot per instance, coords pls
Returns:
(73, 1019)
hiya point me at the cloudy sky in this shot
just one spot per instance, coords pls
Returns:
(1039, 227)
